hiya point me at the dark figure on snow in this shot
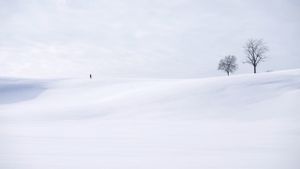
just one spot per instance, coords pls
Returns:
(90, 76)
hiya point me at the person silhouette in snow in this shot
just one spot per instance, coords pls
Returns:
(90, 76)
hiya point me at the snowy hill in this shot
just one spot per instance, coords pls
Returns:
(244, 121)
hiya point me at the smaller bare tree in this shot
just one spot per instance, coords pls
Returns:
(228, 64)
(255, 52)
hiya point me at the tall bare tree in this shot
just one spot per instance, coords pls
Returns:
(255, 52)
(228, 64)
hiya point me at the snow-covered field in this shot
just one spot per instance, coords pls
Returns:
(238, 122)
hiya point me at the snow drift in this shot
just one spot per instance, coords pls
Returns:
(245, 121)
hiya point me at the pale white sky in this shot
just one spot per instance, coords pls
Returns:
(143, 38)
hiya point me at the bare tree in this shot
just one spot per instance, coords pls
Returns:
(255, 52)
(228, 64)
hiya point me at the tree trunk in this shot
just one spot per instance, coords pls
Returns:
(254, 69)
(227, 73)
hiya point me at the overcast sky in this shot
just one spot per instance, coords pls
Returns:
(143, 38)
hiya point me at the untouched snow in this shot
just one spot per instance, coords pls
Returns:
(237, 122)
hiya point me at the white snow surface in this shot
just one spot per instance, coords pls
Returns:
(237, 122)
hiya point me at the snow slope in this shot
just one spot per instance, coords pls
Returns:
(245, 121)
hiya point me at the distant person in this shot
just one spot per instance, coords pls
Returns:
(90, 76)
